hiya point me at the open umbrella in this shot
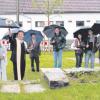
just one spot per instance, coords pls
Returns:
(6, 23)
(49, 30)
(83, 32)
(96, 28)
(27, 37)
(14, 33)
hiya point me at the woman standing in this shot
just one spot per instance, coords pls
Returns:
(78, 47)
(18, 47)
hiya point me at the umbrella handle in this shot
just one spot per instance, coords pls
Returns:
(10, 32)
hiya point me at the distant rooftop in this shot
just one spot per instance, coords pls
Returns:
(68, 6)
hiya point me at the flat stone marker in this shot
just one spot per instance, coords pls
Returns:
(10, 88)
(30, 88)
(81, 69)
(55, 77)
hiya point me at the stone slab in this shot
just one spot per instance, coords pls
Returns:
(10, 88)
(33, 88)
(81, 69)
(55, 77)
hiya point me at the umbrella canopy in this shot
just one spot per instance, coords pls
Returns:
(14, 33)
(27, 37)
(83, 32)
(7, 36)
(49, 30)
(96, 28)
(5, 23)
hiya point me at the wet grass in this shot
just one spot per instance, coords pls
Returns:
(82, 86)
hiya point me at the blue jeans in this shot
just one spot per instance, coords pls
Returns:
(79, 57)
(58, 59)
(89, 55)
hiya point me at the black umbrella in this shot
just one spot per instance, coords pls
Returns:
(83, 32)
(27, 37)
(7, 36)
(14, 33)
(96, 28)
(49, 30)
(5, 23)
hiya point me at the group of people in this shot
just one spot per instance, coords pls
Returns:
(89, 47)
(19, 49)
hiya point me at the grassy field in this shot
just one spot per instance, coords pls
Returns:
(86, 87)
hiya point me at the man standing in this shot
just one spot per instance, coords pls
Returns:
(89, 50)
(34, 49)
(18, 47)
(58, 42)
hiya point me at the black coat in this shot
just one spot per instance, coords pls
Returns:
(60, 42)
(92, 45)
(14, 49)
(14, 57)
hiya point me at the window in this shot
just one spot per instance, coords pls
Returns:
(51, 22)
(69, 21)
(79, 23)
(97, 21)
(39, 24)
(29, 22)
(88, 21)
(60, 23)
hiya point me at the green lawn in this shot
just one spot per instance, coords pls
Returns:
(75, 91)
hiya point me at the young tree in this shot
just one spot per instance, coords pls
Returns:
(47, 6)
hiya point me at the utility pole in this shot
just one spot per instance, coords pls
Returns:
(17, 12)
(48, 13)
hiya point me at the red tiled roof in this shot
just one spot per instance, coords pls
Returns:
(68, 6)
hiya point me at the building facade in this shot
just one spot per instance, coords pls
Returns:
(74, 14)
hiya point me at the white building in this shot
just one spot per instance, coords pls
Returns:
(74, 14)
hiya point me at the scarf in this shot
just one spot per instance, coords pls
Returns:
(18, 57)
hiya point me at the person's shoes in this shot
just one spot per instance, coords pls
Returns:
(38, 70)
(33, 70)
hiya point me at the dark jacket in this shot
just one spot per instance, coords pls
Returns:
(35, 51)
(92, 45)
(60, 42)
(13, 45)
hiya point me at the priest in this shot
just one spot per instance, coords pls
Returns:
(18, 48)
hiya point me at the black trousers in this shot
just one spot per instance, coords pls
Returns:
(36, 60)
(79, 57)
(22, 69)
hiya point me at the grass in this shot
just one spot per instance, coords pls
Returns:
(88, 90)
